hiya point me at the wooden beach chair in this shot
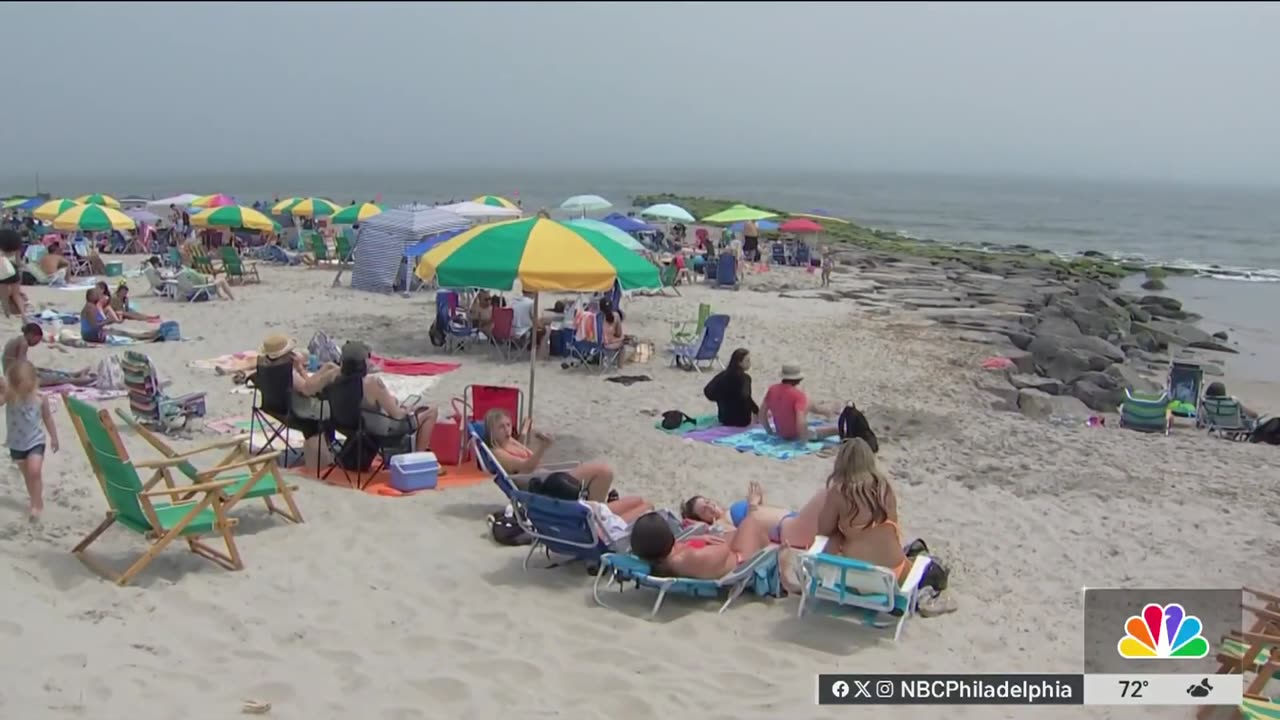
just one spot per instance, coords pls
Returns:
(236, 268)
(156, 510)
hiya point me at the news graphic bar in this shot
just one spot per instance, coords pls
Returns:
(1186, 689)
(907, 689)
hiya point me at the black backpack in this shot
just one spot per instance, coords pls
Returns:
(673, 419)
(853, 423)
(506, 531)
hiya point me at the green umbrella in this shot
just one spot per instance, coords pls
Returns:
(739, 213)
(608, 231)
(234, 216)
(12, 203)
(357, 213)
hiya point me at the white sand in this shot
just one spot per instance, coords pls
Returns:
(404, 608)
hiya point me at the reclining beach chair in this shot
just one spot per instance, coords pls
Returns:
(852, 583)
(1183, 387)
(706, 352)
(202, 264)
(79, 259)
(160, 285)
(320, 250)
(257, 475)
(502, 333)
(758, 573)
(1258, 708)
(778, 253)
(727, 271)
(236, 268)
(453, 322)
(187, 290)
(592, 353)
(156, 510)
(684, 332)
(343, 249)
(488, 463)
(148, 401)
(1146, 413)
(803, 255)
(345, 414)
(1255, 648)
(1223, 417)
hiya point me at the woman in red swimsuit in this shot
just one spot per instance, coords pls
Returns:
(708, 556)
(518, 459)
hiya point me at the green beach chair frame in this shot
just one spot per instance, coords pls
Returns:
(1146, 413)
(684, 332)
(1222, 416)
(236, 268)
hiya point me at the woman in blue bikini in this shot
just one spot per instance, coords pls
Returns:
(790, 528)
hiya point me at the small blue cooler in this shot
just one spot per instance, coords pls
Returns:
(560, 341)
(414, 471)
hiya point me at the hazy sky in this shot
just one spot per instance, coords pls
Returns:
(1184, 91)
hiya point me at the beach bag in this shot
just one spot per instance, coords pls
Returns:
(109, 375)
(853, 423)
(506, 531)
(936, 576)
(357, 453)
(673, 419)
(324, 349)
(436, 334)
(169, 331)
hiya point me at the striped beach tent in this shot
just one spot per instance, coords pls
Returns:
(383, 238)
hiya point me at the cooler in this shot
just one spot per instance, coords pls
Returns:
(560, 341)
(414, 471)
(115, 269)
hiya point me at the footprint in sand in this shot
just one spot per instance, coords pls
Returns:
(443, 689)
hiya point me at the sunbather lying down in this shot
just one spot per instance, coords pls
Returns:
(19, 347)
(595, 478)
(791, 528)
(707, 556)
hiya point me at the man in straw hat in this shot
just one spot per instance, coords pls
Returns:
(785, 409)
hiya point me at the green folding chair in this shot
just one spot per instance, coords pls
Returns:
(237, 270)
(685, 332)
(1146, 413)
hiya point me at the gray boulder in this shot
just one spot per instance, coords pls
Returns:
(1097, 398)
(1160, 311)
(1126, 376)
(1153, 284)
(1160, 301)
(1023, 340)
(1095, 313)
(1100, 379)
(1098, 346)
(1137, 314)
(1062, 359)
(1024, 361)
(1035, 382)
(1042, 406)
(1054, 321)
(1220, 335)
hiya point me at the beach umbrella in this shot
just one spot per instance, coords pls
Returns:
(585, 204)
(473, 209)
(627, 224)
(353, 214)
(53, 208)
(544, 255)
(234, 216)
(15, 202)
(800, 225)
(608, 231)
(818, 214)
(141, 215)
(282, 207)
(311, 207)
(667, 211)
(180, 200)
(495, 201)
(93, 217)
(99, 199)
(738, 213)
(213, 201)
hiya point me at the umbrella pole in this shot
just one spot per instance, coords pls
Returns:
(533, 357)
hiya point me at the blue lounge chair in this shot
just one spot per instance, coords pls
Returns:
(727, 271)
(778, 254)
(803, 255)
(758, 573)
(455, 326)
(853, 583)
(1145, 413)
(706, 352)
(1223, 417)
(594, 354)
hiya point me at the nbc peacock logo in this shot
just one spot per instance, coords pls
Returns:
(1163, 633)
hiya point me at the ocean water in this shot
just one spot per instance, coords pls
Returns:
(1231, 236)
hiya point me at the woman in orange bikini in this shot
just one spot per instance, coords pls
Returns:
(860, 514)
(518, 459)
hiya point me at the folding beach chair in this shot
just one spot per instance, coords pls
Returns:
(803, 256)
(684, 332)
(158, 510)
(320, 250)
(202, 264)
(79, 259)
(345, 414)
(160, 285)
(1146, 413)
(758, 573)
(187, 290)
(453, 322)
(852, 583)
(668, 276)
(593, 353)
(343, 249)
(727, 271)
(1183, 387)
(272, 405)
(148, 401)
(778, 254)
(236, 268)
(1223, 417)
(706, 352)
(502, 333)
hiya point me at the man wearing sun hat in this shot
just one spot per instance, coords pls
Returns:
(304, 410)
(785, 409)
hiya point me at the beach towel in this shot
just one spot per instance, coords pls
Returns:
(228, 364)
(584, 327)
(756, 440)
(699, 423)
(71, 338)
(405, 366)
(88, 394)
(451, 476)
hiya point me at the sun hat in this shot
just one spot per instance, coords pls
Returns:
(277, 346)
(792, 372)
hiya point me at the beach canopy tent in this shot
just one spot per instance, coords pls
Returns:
(421, 247)
(628, 224)
(176, 200)
(473, 209)
(383, 239)
(761, 225)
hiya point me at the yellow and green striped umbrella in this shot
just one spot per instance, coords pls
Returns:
(99, 199)
(311, 207)
(234, 216)
(93, 217)
(53, 209)
(496, 201)
(357, 213)
(542, 254)
(213, 201)
(282, 207)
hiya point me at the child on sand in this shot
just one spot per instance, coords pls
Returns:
(828, 262)
(25, 410)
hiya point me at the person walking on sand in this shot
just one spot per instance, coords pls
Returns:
(828, 262)
(25, 411)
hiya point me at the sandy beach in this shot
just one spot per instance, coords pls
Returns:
(404, 608)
